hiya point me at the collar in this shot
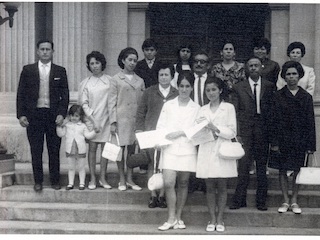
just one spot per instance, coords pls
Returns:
(164, 89)
(40, 64)
(151, 61)
(204, 76)
(253, 82)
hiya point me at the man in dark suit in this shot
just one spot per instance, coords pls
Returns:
(42, 104)
(252, 100)
(200, 68)
(148, 67)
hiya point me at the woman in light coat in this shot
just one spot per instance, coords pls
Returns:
(296, 51)
(93, 97)
(125, 95)
(179, 158)
(216, 171)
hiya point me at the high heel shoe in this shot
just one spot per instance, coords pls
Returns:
(134, 187)
(166, 226)
(122, 187)
(106, 186)
(92, 186)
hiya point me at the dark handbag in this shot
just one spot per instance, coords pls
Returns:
(138, 159)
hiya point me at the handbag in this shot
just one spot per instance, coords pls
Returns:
(231, 150)
(309, 175)
(156, 182)
(138, 159)
(112, 151)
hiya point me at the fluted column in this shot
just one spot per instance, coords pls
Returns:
(17, 46)
(77, 30)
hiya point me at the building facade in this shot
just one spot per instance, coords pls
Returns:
(77, 28)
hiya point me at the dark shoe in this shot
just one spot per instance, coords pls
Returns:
(162, 202)
(56, 186)
(237, 206)
(69, 187)
(153, 202)
(262, 207)
(81, 187)
(37, 187)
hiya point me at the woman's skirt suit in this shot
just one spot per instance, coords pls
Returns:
(209, 164)
(94, 97)
(181, 155)
(125, 96)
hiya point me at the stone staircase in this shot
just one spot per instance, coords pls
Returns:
(113, 212)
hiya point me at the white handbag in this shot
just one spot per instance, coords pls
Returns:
(112, 151)
(231, 150)
(309, 175)
(156, 181)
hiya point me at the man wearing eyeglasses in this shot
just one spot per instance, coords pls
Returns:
(200, 69)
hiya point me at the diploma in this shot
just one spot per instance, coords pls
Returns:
(150, 139)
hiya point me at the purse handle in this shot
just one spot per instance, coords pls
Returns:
(155, 162)
(117, 137)
(306, 160)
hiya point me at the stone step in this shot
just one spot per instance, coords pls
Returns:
(132, 214)
(114, 196)
(33, 227)
(26, 178)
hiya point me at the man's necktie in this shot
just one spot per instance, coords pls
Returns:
(255, 95)
(199, 91)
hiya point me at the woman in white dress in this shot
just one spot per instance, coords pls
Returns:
(179, 158)
(296, 51)
(93, 97)
(216, 171)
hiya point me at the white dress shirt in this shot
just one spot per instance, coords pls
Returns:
(164, 91)
(203, 79)
(258, 90)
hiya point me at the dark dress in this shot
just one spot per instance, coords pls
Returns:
(270, 70)
(292, 128)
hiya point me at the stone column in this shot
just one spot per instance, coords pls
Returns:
(77, 30)
(316, 50)
(137, 26)
(279, 32)
(115, 33)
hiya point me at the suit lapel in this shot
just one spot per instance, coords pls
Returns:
(247, 88)
(133, 82)
(263, 88)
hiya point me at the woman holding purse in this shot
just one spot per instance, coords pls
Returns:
(292, 131)
(179, 158)
(210, 166)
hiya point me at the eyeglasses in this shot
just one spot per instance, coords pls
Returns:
(201, 61)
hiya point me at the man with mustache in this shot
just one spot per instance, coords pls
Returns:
(252, 101)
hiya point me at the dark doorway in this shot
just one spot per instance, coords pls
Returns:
(206, 25)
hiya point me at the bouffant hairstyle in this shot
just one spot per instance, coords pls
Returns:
(220, 84)
(76, 109)
(226, 41)
(99, 57)
(189, 76)
(124, 54)
(294, 45)
(292, 64)
(262, 42)
(165, 65)
(148, 43)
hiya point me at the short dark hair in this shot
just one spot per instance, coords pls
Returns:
(246, 70)
(99, 57)
(179, 61)
(149, 42)
(45, 41)
(188, 75)
(165, 65)
(75, 108)
(262, 42)
(220, 84)
(124, 54)
(292, 64)
(294, 45)
(226, 41)
(201, 52)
